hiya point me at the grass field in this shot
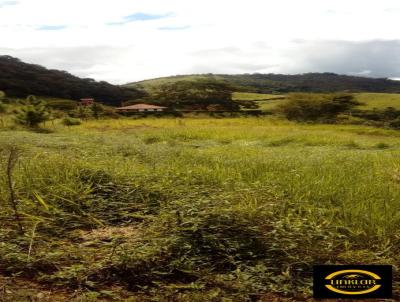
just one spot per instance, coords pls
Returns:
(196, 209)
(265, 101)
(254, 96)
(379, 100)
(369, 100)
(149, 85)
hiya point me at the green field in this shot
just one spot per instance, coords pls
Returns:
(249, 96)
(379, 100)
(265, 101)
(369, 100)
(196, 209)
(149, 85)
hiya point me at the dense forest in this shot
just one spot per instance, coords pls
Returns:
(19, 79)
(279, 83)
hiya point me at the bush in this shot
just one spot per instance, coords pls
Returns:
(64, 105)
(350, 120)
(32, 112)
(71, 121)
(82, 112)
(316, 107)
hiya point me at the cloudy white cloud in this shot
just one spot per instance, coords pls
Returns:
(126, 40)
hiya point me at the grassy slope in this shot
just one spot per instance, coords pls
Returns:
(369, 100)
(329, 193)
(379, 100)
(149, 85)
(268, 83)
(265, 101)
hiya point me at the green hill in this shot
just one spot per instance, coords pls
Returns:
(19, 79)
(368, 100)
(279, 83)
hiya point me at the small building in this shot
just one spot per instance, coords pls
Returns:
(141, 108)
(87, 102)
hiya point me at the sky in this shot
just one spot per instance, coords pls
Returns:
(122, 41)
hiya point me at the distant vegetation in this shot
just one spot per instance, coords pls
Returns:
(316, 107)
(262, 101)
(278, 83)
(203, 94)
(19, 79)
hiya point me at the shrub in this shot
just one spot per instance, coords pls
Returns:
(314, 107)
(97, 110)
(32, 112)
(350, 120)
(65, 105)
(71, 121)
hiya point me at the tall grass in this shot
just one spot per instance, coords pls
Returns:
(211, 200)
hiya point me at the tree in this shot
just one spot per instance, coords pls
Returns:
(97, 110)
(82, 112)
(32, 112)
(197, 95)
(316, 106)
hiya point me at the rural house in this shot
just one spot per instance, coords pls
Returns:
(141, 108)
(87, 102)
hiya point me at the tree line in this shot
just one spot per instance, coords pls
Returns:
(19, 79)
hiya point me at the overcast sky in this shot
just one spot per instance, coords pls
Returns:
(129, 40)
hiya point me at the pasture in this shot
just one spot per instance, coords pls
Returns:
(368, 100)
(196, 209)
(379, 100)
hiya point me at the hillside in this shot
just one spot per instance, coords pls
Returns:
(368, 101)
(279, 83)
(19, 79)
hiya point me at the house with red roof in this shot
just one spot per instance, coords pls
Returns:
(87, 101)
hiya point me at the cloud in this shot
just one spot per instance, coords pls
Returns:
(7, 3)
(375, 58)
(51, 27)
(140, 17)
(122, 64)
(159, 38)
(224, 51)
(94, 62)
(174, 27)
(393, 10)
